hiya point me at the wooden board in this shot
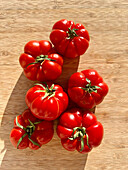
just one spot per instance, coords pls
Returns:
(107, 23)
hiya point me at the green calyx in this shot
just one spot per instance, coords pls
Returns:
(29, 131)
(89, 88)
(49, 92)
(30, 128)
(72, 33)
(80, 132)
(40, 59)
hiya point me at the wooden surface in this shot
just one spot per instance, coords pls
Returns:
(107, 23)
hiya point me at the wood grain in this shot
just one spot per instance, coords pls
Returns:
(107, 23)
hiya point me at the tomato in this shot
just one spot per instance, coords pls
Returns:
(79, 131)
(87, 88)
(38, 62)
(46, 101)
(70, 40)
(30, 132)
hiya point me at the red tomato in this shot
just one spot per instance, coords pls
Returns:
(38, 62)
(70, 40)
(79, 131)
(46, 101)
(30, 132)
(87, 88)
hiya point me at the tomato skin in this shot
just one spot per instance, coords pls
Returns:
(45, 46)
(80, 96)
(95, 133)
(48, 108)
(73, 114)
(33, 48)
(69, 145)
(42, 134)
(66, 44)
(44, 69)
(76, 118)
(15, 135)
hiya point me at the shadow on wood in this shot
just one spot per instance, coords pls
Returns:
(51, 156)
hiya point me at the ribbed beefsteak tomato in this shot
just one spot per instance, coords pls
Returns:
(79, 131)
(46, 101)
(30, 132)
(38, 62)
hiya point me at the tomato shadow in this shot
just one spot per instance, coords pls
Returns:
(70, 66)
(51, 156)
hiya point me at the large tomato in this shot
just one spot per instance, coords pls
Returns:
(70, 40)
(46, 101)
(38, 62)
(87, 88)
(79, 131)
(30, 132)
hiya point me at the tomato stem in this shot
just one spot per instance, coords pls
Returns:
(49, 92)
(89, 88)
(80, 132)
(40, 59)
(29, 131)
(72, 33)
